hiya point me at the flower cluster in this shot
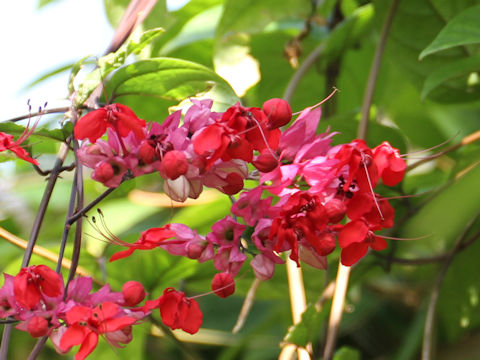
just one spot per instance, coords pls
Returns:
(311, 196)
(36, 299)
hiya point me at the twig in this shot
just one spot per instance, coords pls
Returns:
(43, 112)
(429, 259)
(87, 208)
(187, 350)
(475, 136)
(374, 70)
(45, 253)
(62, 153)
(302, 70)
(247, 305)
(432, 305)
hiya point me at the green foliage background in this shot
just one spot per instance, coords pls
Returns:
(427, 93)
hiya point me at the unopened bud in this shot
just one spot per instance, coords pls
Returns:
(174, 164)
(133, 293)
(266, 161)
(278, 112)
(223, 285)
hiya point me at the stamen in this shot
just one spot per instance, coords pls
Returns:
(321, 102)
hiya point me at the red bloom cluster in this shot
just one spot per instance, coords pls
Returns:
(35, 297)
(310, 196)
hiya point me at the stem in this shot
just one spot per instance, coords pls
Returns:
(187, 350)
(78, 228)
(336, 312)
(43, 112)
(302, 70)
(66, 228)
(247, 305)
(87, 208)
(62, 153)
(432, 305)
(298, 305)
(374, 70)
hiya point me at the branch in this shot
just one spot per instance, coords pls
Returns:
(87, 208)
(43, 112)
(432, 305)
(302, 70)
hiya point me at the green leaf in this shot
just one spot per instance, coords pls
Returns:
(347, 353)
(199, 27)
(168, 78)
(444, 218)
(55, 134)
(452, 70)
(113, 61)
(463, 29)
(253, 15)
(309, 328)
(49, 74)
(349, 32)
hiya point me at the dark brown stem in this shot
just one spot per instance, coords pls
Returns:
(89, 207)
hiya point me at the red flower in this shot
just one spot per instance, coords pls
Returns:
(85, 324)
(240, 131)
(180, 312)
(33, 282)
(303, 217)
(117, 116)
(355, 238)
(358, 156)
(7, 143)
(391, 167)
(149, 239)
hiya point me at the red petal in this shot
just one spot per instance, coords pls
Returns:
(118, 323)
(122, 254)
(354, 252)
(74, 335)
(378, 243)
(208, 140)
(78, 313)
(194, 317)
(88, 345)
(354, 232)
(51, 284)
(91, 126)
(170, 304)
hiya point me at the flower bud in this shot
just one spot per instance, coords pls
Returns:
(146, 153)
(174, 164)
(265, 162)
(103, 172)
(278, 112)
(133, 293)
(336, 210)
(223, 285)
(37, 326)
